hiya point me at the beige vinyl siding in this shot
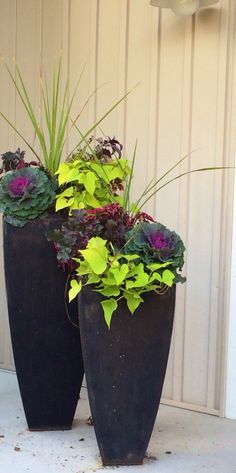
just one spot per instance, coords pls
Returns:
(180, 73)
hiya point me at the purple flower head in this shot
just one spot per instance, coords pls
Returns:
(19, 186)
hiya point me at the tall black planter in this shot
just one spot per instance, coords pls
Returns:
(125, 369)
(46, 346)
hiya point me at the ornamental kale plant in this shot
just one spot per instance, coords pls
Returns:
(154, 243)
(25, 194)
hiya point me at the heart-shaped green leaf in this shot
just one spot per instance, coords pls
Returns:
(109, 306)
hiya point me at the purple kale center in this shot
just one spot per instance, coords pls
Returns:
(163, 242)
(19, 186)
(158, 240)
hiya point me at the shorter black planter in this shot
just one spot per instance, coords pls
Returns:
(46, 346)
(125, 369)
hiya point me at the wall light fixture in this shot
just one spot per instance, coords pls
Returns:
(182, 7)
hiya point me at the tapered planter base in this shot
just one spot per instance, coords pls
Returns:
(119, 462)
(50, 429)
(46, 345)
(125, 369)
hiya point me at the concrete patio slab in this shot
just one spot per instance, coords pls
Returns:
(182, 442)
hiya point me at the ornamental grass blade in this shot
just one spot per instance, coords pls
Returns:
(99, 121)
(55, 96)
(29, 108)
(21, 136)
(169, 171)
(151, 185)
(56, 117)
(214, 168)
(126, 199)
(64, 119)
(52, 111)
(145, 192)
(46, 108)
(85, 104)
(60, 142)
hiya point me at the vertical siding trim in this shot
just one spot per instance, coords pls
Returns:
(185, 197)
(41, 38)
(65, 40)
(15, 59)
(96, 59)
(152, 162)
(68, 66)
(187, 98)
(93, 59)
(215, 313)
(123, 75)
(126, 68)
(228, 188)
(40, 100)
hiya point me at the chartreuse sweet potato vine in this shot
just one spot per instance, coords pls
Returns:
(89, 183)
(118, 276)
(93, 176)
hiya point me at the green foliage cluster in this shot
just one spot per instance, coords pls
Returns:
(118, 276)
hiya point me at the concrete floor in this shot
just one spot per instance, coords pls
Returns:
(182, 442)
